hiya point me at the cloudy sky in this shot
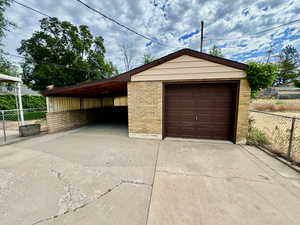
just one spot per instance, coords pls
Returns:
(232, 25)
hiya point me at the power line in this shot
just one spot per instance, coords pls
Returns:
(28, 7)
(66, 67)
(118, 23)
(276, 27)
(97, 11)
(259, 32)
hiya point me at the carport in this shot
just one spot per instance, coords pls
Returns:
(184, 94)
(93, 102)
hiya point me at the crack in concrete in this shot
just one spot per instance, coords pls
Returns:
(136, 183)
(215, 177)
(80, 207)
(91, 201)
(73, 196)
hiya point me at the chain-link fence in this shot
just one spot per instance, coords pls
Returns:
(280, 134)
(11, 122)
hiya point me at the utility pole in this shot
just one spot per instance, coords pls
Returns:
(270, 51)
(201, 43)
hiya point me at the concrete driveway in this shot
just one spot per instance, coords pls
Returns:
(96, 175)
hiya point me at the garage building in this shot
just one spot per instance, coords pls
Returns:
(184, 94)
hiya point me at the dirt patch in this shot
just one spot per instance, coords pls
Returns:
(275, 101)
(278, 130)
(14, 125)
(276, 107)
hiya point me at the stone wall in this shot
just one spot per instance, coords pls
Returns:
(145, 109)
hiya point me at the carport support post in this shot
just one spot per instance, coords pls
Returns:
(3, 124)
(20, 104)
(291, 140)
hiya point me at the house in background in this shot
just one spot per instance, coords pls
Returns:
(286, 91)
(184, 94)
(7, 89)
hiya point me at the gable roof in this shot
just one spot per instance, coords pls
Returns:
(189, 52)
(125, 77)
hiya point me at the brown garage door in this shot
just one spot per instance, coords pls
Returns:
(204, 110)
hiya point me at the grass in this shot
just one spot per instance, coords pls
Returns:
(27, 116)
(279, 102)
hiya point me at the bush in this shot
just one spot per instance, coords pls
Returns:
(261, 76)
(9, 102)
(256, 136)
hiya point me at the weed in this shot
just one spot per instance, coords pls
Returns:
(256, 136)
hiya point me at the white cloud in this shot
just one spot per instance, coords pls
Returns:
(166, 21)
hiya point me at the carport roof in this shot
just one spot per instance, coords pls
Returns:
(117, 86)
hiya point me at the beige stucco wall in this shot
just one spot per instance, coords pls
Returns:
(145, 109)
(64, 104)
(188, 68)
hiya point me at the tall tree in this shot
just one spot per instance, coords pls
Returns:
(7, 67)
(216, 51)
(63, 54)
(147, 58)
(5, 24)
(288, 65)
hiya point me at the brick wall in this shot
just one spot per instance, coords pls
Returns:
(244, 101)
(58, 121)
(145, 109)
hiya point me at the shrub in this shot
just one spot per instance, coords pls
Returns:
(30, 101)
(260, 76)
(9, 102)
(256, 136)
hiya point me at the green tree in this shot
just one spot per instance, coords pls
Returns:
(7, 67)
(216, 51)
(5, 24)
(147, 58)
(63, 54)
(288, 65)
(297, 83)
(261, 76)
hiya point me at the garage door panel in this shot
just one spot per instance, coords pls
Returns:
(200, 110)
